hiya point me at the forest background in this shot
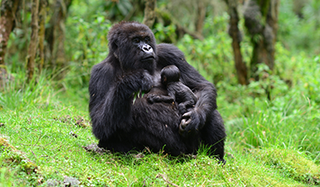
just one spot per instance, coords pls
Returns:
(262, 55)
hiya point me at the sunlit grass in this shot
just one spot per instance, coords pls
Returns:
(269, 142)
(52, 131)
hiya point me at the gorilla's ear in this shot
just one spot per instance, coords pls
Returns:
(114, 49)
(116, 54)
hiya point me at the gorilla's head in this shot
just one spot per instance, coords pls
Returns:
(133, 44)
(169, 74)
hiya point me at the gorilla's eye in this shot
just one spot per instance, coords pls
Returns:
(135, 40)
(147, 39)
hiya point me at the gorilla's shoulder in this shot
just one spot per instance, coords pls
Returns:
(168, 51)
(104, 67)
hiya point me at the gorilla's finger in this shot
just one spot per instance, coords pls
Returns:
(187, 115)
(183, 123)
(186, 123)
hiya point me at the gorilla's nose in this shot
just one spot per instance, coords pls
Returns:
(147, 48)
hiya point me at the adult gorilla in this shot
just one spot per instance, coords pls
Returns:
(123, 121)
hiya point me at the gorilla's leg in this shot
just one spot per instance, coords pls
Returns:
(122, 142)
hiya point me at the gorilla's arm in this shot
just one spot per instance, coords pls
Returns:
(111, 97)
(203, 89)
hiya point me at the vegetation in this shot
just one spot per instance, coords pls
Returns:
(273, 123)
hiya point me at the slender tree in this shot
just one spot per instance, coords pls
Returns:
(200, 17)
(42, 22)
(34, 40)
(8, 10)
(7, 15)
(55, 36)
(236, 36)
(149, 13)
(261, 21)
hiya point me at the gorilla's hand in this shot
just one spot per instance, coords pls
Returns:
(191, 122)
(146, 81)
(182, 108)
(143, 84)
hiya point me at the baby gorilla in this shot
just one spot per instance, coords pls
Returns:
(177, 91)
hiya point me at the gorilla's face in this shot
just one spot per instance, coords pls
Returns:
(133, 44)
(143, 45)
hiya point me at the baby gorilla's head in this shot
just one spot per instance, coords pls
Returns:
(170, 74)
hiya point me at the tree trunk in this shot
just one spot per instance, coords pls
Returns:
(261, 20)
(7, 16)
(8, 9)
(165, 16)
(201, 15)
(42, 22)
(34, 40)
(236, 36)
(55, 36)
(149, 13)
(272, 22)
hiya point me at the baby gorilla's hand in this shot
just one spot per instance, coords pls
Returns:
(159, 98)
(150, 98)
(182, 108)
(153, 98)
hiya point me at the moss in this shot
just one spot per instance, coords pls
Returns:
(10, 155)
(292, 163)
(4, 143)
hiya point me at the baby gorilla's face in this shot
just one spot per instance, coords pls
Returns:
(170, 74)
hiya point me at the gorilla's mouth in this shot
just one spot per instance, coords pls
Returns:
(148, 58)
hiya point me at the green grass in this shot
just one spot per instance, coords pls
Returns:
(273, 143)
(45, 132)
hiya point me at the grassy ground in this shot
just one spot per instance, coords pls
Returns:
(46, 140)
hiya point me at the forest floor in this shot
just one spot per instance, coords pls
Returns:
(46, 140)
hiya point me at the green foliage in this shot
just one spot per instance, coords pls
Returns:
(119, 7)
(89, 47)
(216, 24)
(300, 33)
(206, 56)
(163, 33)
(310, 77)
(289, 119)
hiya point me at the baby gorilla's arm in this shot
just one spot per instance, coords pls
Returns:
(159, 98)
(184, 96)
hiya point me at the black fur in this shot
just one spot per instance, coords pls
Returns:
(122, 122)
